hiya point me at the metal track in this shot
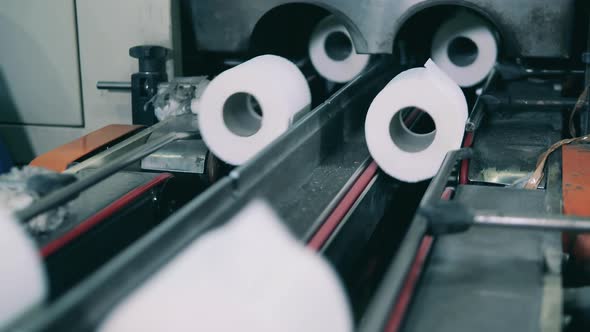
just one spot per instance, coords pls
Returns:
(309, 166)
(69, 192)
(378, 311)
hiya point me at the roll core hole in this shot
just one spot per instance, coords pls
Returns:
(338, 46)
(419, 137)
(462, 51)
(242, 114)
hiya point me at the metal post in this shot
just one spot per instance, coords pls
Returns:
(551, 222)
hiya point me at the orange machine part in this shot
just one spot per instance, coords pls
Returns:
(576, 195)
(59, 158)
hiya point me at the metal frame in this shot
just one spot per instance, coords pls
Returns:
(374, 25)
(378, 311)
(67, 193)
(328, 143)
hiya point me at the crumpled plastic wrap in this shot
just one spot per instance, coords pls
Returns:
(15, 194)
(178, 97)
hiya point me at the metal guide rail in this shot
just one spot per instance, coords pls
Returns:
(386, 296)
(428, 277)
(320, 179)
(303, 175)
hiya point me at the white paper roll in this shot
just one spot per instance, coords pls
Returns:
(401, 153)
(332, 52)
(465, 47)
(249, 275)
(22, 275)
(247, 107)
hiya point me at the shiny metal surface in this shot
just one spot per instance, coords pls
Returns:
(512, 208)
(186, 156)
(95, 199)
(65, 194)
(479, 107)
(183, 123)
(510, 137)
(62, 157)
(378, 311)
(308, 166)
(534, 28)
(345, 247)
(533, 221)
(439, 182)
(538, 103)
(486, 273)
(112, 85)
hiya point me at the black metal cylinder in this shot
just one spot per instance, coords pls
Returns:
(144, 83)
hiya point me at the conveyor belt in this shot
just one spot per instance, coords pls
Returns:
(102, 222)
(452, 290)
(326, 145)
(92, 201)
(485, 279)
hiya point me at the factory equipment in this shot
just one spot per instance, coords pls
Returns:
(444, 182)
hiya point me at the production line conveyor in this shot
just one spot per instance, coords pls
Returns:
(375, 230)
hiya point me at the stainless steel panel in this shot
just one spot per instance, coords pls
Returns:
(535, 28)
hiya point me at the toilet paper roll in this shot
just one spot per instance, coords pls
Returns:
(332, 52)
(247, 107)
(401, 153)
(22, 276)
(249, 275)
(465, 47)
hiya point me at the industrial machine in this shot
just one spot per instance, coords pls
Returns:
(477, 247)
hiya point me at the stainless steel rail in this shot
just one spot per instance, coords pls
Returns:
(308, 166)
